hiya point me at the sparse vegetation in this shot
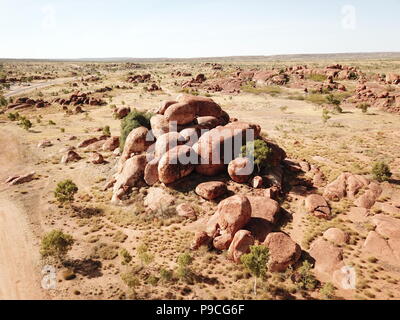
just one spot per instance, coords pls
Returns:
(56, 244)
(256, 263)
(132, 121)
(65, 191)
(381, 171)
(259, 151)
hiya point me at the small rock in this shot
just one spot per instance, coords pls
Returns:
(257, 182)
(96, 158)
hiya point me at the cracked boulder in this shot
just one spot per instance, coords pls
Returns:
(318, 206)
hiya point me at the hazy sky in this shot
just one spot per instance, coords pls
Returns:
(195, 28)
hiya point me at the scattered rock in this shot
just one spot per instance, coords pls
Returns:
(257, 182)
(264, 209)
(45, 144)
(111, 144)
(15, 180)
(96, 158)
(200, 239)
(131, 174)
(71, 156)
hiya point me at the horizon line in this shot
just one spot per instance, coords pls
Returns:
(206, 57)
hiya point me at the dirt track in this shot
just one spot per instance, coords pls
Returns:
(34, 86)
(19, 259)
(19, 273)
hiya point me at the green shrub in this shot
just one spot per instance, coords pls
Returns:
(3, 101)
(143, 254)
(364, 107)
(305, 279)
(65, 191)
(56, 244)
(133, 120)
(259, 151)
(256, 262)
(184, 272)
(166, 275)
(107, 131)
(328, 291)
(25, 123)
(13, 116)
(130, 280)
(125, 255)
(331, 99)
(381, 171)
(325, 115)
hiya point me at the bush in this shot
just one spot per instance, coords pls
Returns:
(13, 116)
(259, 151)
(130, 280)
(65, 191)
(133, 120)
(107, 131)
(325, 115)
(331, 99)
(364, 107)
(143, 254)
(381, 171)
(56, 244)
(25, 123)
(3, 101)
(304, 277)
(166, 275)
(328, 291)
(184, 271)
(125, 255)
(256, 262)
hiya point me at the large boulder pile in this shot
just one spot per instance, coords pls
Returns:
(239, 222)
(378, 95)
(189, 134)
(79, 99)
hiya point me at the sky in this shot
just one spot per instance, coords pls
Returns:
(70, 29)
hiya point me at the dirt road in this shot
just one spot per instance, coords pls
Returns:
(20, 276)
(19, 271)
(24, 89)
